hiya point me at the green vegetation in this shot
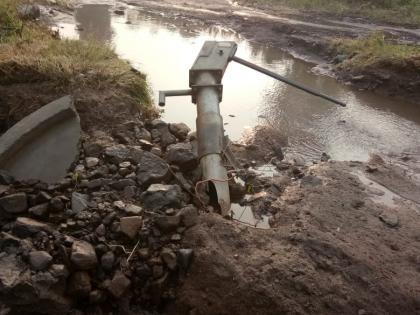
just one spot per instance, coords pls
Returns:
(377, 50)
(394, 11)
(70, 64)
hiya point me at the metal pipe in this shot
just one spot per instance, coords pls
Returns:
(210, 138)
(285, 80)
(164, 94)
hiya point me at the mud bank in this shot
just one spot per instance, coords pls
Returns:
(305, 36)
(334, 248)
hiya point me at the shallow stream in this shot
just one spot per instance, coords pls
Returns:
(166, 48)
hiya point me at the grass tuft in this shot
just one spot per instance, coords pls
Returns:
(376, 50)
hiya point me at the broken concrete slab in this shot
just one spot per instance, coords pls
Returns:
(44, 144)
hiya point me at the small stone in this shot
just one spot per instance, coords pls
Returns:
(130, 226)
(42, 197)
(91, 162)
(122, 183)
(95, 184)
(25, 227)
(156, 151)
(185, 256)
(79, 284)
(176, 237)
(189, 215)
(6, 178)
(146, 145)
(159, 196)
(39, 260)
(125, 164)
(40, 211)
(59, 271)
(119, 205)
(15, 203)
(130, 192)
(179, 130)
(133, 209)
(389, 218)
(151, 169)
(310, 181)
(79, 202)
(83, 255)
(168, 223)
(107, 261)
(119, 284)
(157, 271)
(100, 230)
(169, 257)
(96, 296)
(56, 204)
(182, 155)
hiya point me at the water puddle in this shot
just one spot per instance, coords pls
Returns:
(245, 215)
(378, 193)
(165, 49)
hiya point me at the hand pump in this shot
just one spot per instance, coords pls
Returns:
(206, 90)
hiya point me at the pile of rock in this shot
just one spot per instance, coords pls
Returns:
(109, 235)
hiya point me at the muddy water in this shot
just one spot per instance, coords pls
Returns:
(165, 50)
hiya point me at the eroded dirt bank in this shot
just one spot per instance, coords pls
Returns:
(333, 251)
(307, 36)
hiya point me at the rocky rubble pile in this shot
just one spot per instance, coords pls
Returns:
(108, 237)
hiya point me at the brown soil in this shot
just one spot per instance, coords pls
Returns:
(329, 253)
(25, 91)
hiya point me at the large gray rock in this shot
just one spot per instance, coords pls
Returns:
(83, 255)
(159, 196)
(181, 154)
(44, 144)
(15, 203)
(179, 130)
(39, 260)
(151, 169)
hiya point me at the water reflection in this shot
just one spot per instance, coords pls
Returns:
(165, 50)
(95, 22)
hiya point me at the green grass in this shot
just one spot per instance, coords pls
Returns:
(70, 64)
(394, 11)
(376, 49)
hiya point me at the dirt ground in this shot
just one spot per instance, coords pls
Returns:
(333, 249)
(303, 35)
